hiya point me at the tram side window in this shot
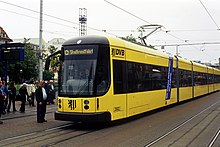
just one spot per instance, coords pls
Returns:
(210, 78)
(118, 78)
(174, 77)
(200, 78)
(143, 77)
(103, 70)
(185, 78)
(217, 78)
(147, 82)
(135, 77)
(218, 81)
(159, 77)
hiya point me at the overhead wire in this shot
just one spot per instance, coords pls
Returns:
(140, 19)
(60, 33)
(127, 11)
(51, 16)
(210, 43)
(194, 30)
(105, 31)
(36, 18)
(209, 14)
(168, 32)
(39, 12)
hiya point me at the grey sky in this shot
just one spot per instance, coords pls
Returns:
(184, 19)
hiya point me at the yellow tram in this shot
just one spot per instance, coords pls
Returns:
(106, 79)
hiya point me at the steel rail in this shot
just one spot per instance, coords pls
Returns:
(179, 126)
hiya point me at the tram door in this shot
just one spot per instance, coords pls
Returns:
(119, 103)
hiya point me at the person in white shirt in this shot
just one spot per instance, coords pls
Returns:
(41, 98)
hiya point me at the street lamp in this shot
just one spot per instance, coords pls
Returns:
(21, 73)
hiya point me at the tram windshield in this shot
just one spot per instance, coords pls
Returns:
(84, 71)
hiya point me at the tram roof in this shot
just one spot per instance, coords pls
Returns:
(132, 46)
(113, 41)
(86, 40)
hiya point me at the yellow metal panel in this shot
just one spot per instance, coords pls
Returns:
(134, 56)
(210, 70)
(173, 97)
(69, 105)
(200, 90)
(157, 99)
(145, 101)
(77, 105)
(137, 103)
(118, 53)
(184, 64)
(117, 42)
(91, 105)
(199, 68)
(211, 88)
(185, 93)
(216, 87)
(115, 104)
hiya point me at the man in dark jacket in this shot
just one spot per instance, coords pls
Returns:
(2, 98)
(41, 98)
(23, 94)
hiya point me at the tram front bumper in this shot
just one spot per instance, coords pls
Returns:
(83, 117)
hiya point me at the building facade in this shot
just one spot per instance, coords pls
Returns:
(3, 36)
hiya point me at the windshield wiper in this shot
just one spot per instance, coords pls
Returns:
(90, 76)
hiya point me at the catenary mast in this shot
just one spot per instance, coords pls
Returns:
(82, 21)
(40, 42)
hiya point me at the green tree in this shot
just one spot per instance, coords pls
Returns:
(52, 49)
(48, 75)
(54, 63)
(130, 38)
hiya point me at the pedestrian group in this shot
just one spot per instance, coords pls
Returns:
(44, 94)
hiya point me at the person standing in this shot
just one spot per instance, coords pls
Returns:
(23, 94)
(51, 93)
(47, 89)
(33, 89)
(41, 98)
(12, 95)
(2, 98)
(5, 93)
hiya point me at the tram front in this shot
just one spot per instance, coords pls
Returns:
(84, 75)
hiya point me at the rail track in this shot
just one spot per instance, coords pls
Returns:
(195, 123)
(50, 136)
(199, 124)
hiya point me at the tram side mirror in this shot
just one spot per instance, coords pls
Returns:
(61, 57)
(47, 64)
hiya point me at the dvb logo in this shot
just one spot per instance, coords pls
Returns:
(120, 53)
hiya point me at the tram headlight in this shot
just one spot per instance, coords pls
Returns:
(59, 101)
(86, 107)
(86, 102)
